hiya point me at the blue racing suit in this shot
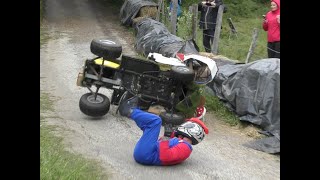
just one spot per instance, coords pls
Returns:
(150, 150)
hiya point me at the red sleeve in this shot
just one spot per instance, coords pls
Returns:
(265, 26)
(174, 155)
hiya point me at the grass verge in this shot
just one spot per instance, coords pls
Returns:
(57, 163)
(44, 36)
(213, 104)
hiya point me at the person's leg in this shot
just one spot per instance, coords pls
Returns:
(208, 36)
(277, 49)
(270, 50)
(211, 33)
(206, 40)
(146, 149)
(177, 25)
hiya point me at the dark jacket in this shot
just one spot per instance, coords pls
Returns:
(209, 14)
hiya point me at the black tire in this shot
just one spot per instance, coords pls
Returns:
(169, 118)
(182, 73)
(125, 95)
(105, 48)
(94, 107)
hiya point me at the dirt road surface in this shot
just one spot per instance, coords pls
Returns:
(72, 25)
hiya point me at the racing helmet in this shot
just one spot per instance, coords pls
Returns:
(193, 129)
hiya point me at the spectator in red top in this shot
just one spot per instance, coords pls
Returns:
(271, 24)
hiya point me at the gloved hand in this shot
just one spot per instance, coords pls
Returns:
(213, 4)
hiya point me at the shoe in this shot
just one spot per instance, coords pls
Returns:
(201, 112)
(127, 104)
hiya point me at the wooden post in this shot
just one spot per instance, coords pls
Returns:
(159, 9)
(174, 17)
(164, 15)
(233, 30)
(253, 44)
(194, 21)
(214, 47)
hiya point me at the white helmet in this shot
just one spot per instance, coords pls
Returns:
(193, 129)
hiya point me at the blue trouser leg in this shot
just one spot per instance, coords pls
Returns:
(146, 150)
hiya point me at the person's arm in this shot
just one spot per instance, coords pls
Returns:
(225, 9)
(199, 6)
(178, 152)
(265, 24)
(218, 3)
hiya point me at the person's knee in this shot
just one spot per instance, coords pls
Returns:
(156, 121)
(151, 121)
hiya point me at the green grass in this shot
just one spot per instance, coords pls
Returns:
(233, 47)
(237, 47)
(213, 104)
(44, 36)
(46, 104)
(57, 163)
(245, 14)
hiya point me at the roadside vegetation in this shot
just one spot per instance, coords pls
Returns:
(55, 161)
(43, 36)
(246, 15)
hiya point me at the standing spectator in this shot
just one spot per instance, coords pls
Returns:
(179, 12)
(209, 12)
(271, 24)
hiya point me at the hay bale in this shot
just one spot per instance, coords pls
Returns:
(156, 109)
(148, 11)
(219, 59)
(137, 20)
(213, 56)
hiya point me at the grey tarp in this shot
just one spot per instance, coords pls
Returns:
(130, 9)
(152, 36)
(252, 91)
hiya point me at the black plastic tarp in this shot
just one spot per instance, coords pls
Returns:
(252, 91)
(152, 36)
(130, 9)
